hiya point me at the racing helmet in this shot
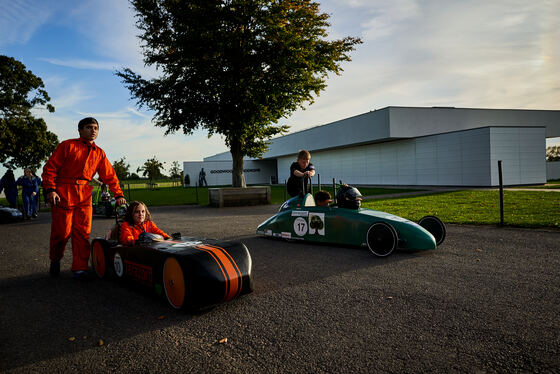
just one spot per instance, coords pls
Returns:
(349, 197)
(148, 237)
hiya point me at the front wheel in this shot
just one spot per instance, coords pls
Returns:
(435, 227)
(382, 239)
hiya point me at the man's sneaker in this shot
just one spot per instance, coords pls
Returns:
(54, 269)
(80, 274)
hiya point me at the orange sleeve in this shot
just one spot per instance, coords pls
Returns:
(126, 236)
(108, 176)
(156, 230)
(50, 170)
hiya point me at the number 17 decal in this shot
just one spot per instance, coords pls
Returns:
(300, 226)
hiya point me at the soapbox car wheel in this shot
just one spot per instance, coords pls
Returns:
(174, 282)
(382, 239)
(100, 260)
(435, 227)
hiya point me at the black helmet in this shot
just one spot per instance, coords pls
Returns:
(348, 197)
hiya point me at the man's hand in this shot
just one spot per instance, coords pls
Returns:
(120, 201)
(53, 198)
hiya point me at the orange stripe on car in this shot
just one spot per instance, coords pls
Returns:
(237, 276)
(226, 263)
(220, 266)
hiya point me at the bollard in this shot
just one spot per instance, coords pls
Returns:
(501, 193)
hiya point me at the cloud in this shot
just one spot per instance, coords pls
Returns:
(130, 134)
(112, 32)
(83, 64)
(19, 19)
(73, 95)
(499, 54)
(141, 140)
(388, 17)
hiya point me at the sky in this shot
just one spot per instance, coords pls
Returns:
(459, 53)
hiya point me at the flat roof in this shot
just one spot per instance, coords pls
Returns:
(392, 123)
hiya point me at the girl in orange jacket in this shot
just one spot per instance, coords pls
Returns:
(136, 221)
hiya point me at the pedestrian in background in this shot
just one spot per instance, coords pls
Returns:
(28, 192)
(9, 186)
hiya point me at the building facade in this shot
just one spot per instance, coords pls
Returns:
(416, 147)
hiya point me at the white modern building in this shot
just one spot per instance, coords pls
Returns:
(409, 146)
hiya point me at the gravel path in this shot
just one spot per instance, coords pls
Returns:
(487, 300)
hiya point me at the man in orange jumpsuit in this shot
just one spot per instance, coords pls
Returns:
(66, 177)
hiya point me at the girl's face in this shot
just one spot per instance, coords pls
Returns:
(139, 214)
(303, 162)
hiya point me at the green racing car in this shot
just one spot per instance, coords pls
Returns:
(347, 223)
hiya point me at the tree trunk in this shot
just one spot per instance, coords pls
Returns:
(237, 176)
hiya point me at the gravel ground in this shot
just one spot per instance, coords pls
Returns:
(487, 300)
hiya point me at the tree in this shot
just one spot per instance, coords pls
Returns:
(553, 153)
(175, 170)
(233, 67)
(121, 168)
(25, 140)
(151, 168)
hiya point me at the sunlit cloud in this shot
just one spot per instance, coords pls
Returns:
(499, 54)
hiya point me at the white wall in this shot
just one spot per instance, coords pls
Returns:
(552, 170)
(461, 158)
(523, 155)
(218, 173)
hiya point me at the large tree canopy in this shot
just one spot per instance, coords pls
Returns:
(25, 140)
(233, 67)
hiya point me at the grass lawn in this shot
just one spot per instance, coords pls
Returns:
(521, 208)
(169, 196)
(181, 196)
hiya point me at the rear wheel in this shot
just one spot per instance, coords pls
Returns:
(382, 239)
(435, 227)
(99, 258)
(174, 282)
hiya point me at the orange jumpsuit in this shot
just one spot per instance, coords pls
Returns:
(130, 233)
(68, 171)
